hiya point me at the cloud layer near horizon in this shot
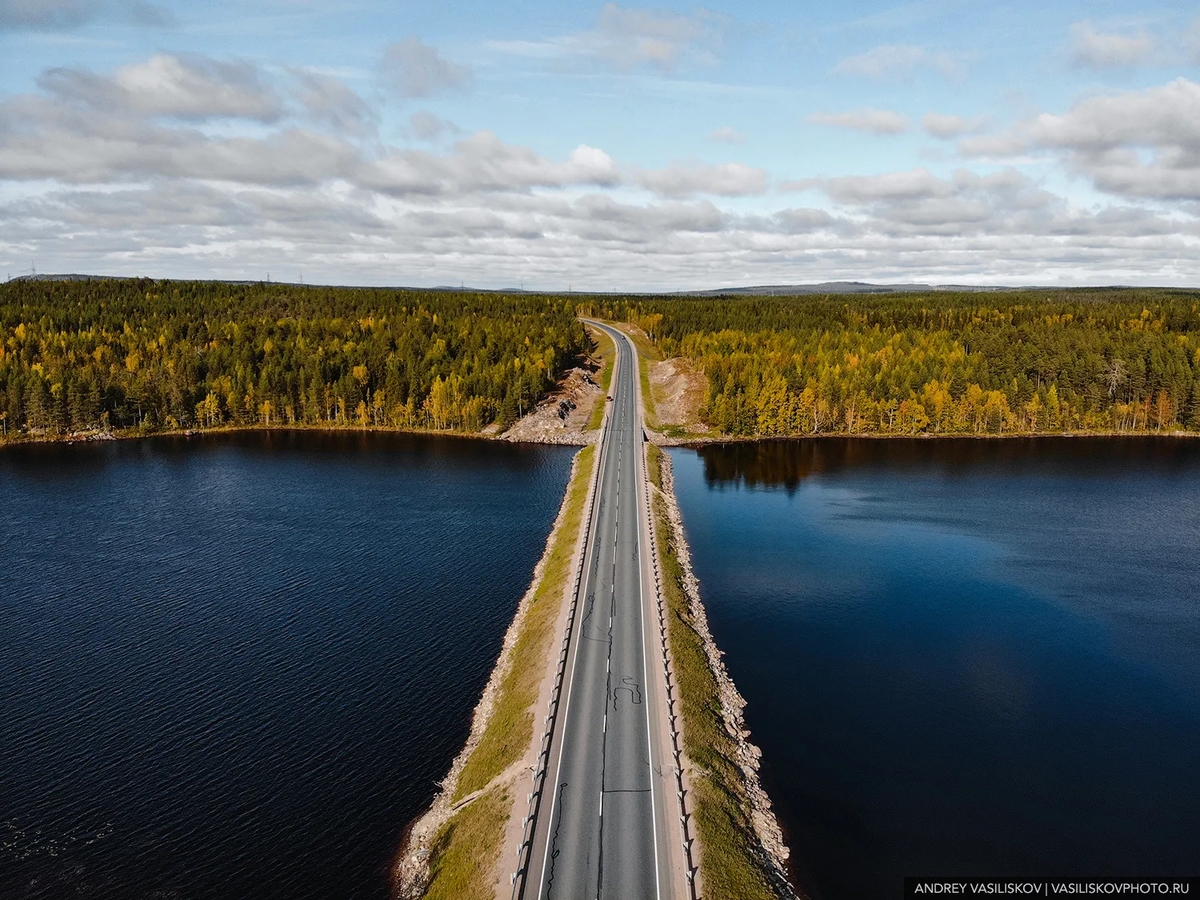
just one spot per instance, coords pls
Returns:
(190, 164)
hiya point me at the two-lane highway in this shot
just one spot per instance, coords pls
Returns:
(600, 831)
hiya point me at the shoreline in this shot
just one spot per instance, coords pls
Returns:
(96, 437)
(427, 841)
(661, 440)
(411, 873)
(770, 849)
(585, 439)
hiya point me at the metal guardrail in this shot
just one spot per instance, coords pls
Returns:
(690, 864)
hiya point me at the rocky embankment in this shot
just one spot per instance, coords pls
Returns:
(772, 850)
(562, 416)
(411, 869)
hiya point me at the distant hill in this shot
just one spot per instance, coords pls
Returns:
(825, 287)
(762, 290)
(74, 277)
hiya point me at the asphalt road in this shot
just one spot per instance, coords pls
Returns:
(600, 831)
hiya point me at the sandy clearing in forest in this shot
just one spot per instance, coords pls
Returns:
(679, 392)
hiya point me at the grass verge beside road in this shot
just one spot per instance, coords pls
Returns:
(510, 727)
(465, 851)
(607, 351)
(729, 865)
(647, 393)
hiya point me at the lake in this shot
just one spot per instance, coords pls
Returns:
(961, 657)
(235, 666)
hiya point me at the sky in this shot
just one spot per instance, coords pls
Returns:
(600, 146)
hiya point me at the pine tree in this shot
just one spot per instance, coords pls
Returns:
(1193, 419)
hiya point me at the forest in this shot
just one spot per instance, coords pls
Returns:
(147, 356)
(940, 362)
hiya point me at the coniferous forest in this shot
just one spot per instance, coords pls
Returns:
(146, 356)
(85, 355)
(939, 362)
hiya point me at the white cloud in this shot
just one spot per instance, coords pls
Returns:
(45, 13)
(328, 101)
(1191, 41)
(428, 127)
(629, 38)
(1090, 48)
(1104, 135)
(728, 135)
(947, 127)
(189, 87)
(966, 228)
(589, 164)
(414, 69)
(483, 163)
(1165, 116)
(912, 185)
(124, 174)
(868, 119)
(1141, 144)
(1008, 146)
(899, 62)
(1001, 203)
(803, 220)
(960, 229)
(725, 180)
(86, 149)
(199, 88)
(57, 15)
(639, 222)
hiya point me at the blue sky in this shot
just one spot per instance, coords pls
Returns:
(602, 146)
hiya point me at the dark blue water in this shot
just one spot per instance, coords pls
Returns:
(962, 657)
(234, 667)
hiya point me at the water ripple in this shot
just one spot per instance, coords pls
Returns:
(235, 667)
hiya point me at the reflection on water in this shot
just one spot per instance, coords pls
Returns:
(962, 657)
(234, 666)
(787, 463)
